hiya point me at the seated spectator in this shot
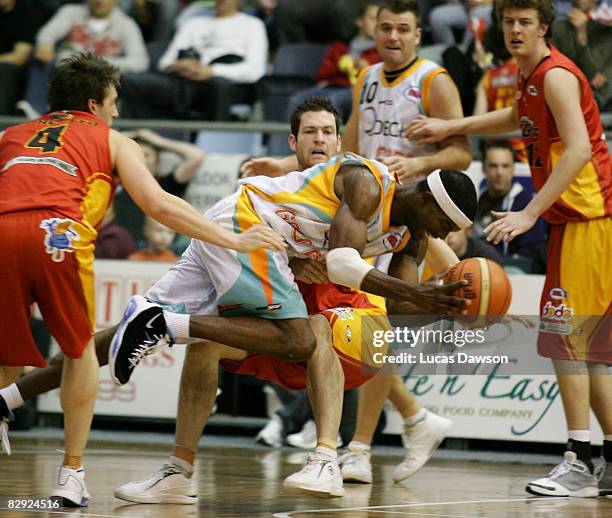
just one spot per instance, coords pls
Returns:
(19, 21)
(113, 241)
(342, 63)
(465, 246)
(211, 63)
(159, 239)
(503, 193)
(587, 43)
(129, 215)
(316, 21)
(458, 16)
(98, 26)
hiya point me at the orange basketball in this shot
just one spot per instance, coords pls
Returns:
(488, 288)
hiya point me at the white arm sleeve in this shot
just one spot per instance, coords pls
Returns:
(346, 267)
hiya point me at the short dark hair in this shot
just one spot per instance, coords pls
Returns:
(545, 9)
(399, 7)
(313, 104)
(460, 188)
(79, 78)
(497, 144)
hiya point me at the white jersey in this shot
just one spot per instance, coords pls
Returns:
(385, 109)
(301, 206)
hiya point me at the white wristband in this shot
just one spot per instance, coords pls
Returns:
(346, 267)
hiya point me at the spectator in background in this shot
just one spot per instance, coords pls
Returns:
(588, 44)
(465, 246)
(466, 65)
(212, 62)
(459, 15)
(19, 21)
(342, 63)
(497, 87)
(128, 215)
(502, 193)
(113, 241)
(99, 27)
(159, 239)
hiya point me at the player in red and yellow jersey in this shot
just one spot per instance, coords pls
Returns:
(57, 176)
(572, 171)
(497, 90)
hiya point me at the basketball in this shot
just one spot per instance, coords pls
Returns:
(488, 288)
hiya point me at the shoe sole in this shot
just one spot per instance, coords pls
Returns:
(64, 498)
(434, 447)
(116, 342)
(587, 492)
(5, 445)
(313, 491)
(157, 499)
(354, 478)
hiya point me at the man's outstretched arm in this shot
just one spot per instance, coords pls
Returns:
(360, 194)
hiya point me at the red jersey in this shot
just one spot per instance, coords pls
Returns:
(60, 162)
(319, 297)
(589, 196)
(500, 85)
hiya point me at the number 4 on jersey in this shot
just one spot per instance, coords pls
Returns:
(48, 140)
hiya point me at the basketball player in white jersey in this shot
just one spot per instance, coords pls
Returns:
(387, 97)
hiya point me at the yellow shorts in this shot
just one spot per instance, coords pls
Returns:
(576, 304)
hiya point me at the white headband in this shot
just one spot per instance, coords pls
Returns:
(446, 203)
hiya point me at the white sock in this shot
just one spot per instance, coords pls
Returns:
(12, 396)
(356, 446)
(185, 467)
(416, 418)
(580, 435)
(177, 323)
(606, 437)
(327, 451)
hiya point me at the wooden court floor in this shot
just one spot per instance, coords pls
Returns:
(237, 482)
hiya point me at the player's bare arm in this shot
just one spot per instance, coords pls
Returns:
(360, 195)
(404, 265)
(562, 94)
(453, 151)
(174, 212)
(429, 131)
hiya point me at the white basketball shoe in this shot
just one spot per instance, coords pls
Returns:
(320, 477)
(70, 489)
(166, 486)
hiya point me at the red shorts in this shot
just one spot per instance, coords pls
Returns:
(45, 259)
(352, 330)
(576, 304)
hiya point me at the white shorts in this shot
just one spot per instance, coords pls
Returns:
(209, 278)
